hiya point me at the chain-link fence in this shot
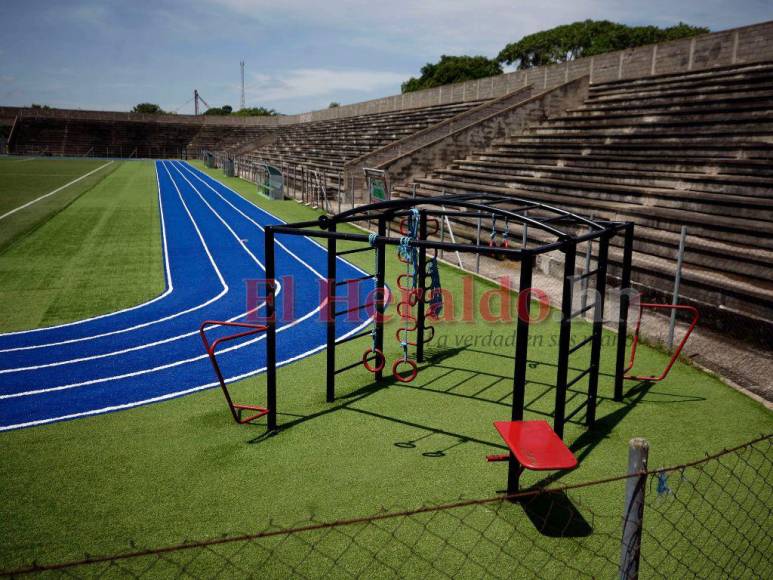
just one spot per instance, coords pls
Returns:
(707, 518)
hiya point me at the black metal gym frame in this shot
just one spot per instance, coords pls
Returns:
(557, 229)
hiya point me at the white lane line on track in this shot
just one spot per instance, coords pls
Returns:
(160, 367)
(260, 227)
(222, 293)
(169, 289)
(175, 394)
(57, 190)
(222, 221)
(128, 349)
(281, 221)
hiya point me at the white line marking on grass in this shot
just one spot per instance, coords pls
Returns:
(170, 284)
(50, 193)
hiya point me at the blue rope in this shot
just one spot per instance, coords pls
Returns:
(436, 294)
(372, 241)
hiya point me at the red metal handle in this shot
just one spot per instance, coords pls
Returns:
(236, 409)
(256, 328)
(642, 305)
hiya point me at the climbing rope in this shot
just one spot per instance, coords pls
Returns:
(409, 255)
(377, 354)
(435, 302)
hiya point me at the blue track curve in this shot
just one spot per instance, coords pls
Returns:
(213, 243)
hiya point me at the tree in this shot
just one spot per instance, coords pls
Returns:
(256, 112)
(586, 38)
(41, 107)
(224, 110)
(148, 108)
(334, 105)
(452, 69)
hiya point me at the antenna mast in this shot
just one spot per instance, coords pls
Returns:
(242, 101)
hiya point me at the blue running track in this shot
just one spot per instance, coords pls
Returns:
(213, 244)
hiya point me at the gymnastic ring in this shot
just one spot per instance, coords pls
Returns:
(405, 378)
(380, 360)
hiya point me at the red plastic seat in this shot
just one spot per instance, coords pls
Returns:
(536, 446)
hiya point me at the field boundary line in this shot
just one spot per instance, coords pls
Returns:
(57, 190)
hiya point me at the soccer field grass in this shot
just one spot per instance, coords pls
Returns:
(34, 189)
(95, 249)
(181, 469)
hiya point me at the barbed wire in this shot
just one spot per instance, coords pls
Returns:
(707, 517)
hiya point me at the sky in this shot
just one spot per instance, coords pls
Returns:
(300, 55)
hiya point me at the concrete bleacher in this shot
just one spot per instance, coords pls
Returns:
(664, 151)
(326, 146)
(76, 137)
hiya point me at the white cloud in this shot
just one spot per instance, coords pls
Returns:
(433, 27)
(303, 83)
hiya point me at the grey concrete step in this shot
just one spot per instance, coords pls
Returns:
(759, 211)
(712, 166)
(679, 139)
(670, 118)
(689, 149)
(735, 127)
(732, 186)
(704, 85)
(746, 100)
(715, 72)
(731, 230)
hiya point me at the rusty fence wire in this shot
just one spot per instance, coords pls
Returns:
(707, 518)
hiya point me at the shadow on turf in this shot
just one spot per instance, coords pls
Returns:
(553, 514)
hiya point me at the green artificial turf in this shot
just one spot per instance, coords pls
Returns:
(182, 469)
(24, 179)
(99, 252)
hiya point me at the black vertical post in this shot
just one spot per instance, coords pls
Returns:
(422, 290)
(330, 318)
(380, 289)
(564, 338)
(598, 327)
(521, 358)
(622, 327)
(271, 331)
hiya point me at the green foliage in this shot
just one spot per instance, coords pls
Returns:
(246, 112)
(224, 110)
(41, 107)
(452, 69)
(256, 112)
(586, 38)
(148, 108)
(333, 105)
